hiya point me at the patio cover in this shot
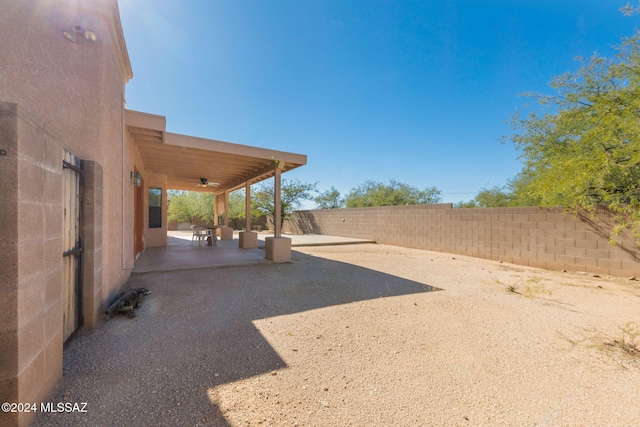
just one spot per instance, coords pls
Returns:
(186, 159)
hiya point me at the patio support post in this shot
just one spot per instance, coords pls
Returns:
(247, 204)
(248, 239)
(216, 210)
(226, 208)
(277, 212)
(278, 248)
(225, 232)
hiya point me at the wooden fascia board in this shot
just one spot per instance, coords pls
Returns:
(234, 149)
(142, 120)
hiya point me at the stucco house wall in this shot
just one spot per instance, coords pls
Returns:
(74, 91)
(57, 95)
(154, 237)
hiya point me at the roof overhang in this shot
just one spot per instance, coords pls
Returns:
(186, 159)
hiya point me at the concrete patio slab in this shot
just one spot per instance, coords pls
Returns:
(181, 254)
(301, 240)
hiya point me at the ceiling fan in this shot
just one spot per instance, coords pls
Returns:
(204, 182)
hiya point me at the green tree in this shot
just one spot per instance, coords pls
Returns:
(629, 9)
(188, 205)
(292, 193)
(493, 197)
(329, 199)
(374, 193)
(237, 207)
(205, 202)
(468, 204)
(237, 204)
(181, 206)
(583, 148)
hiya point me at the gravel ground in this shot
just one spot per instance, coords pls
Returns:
(362, 335)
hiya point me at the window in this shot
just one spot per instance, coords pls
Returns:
(155, 207)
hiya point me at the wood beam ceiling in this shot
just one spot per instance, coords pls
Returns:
(184, 165)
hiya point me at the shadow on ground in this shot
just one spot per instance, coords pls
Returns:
(195, 332)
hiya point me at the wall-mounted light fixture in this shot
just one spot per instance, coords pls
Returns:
(136, 178)
(78, 30)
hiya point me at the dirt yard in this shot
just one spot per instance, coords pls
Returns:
(363, 335)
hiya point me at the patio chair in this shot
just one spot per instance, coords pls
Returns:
(201, 235)
(197, 234)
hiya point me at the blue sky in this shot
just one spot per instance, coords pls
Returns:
(417, 91)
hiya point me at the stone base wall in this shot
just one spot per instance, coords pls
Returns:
(536, 237)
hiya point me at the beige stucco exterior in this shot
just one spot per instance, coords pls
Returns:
(59, 96)
(73, 91)
(56, 96)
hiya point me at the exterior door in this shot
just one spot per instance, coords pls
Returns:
(72, 240)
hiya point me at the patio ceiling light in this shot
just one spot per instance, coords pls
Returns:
(204, 182)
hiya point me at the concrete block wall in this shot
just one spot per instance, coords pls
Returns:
(537, 237)
(92, 211)
(31, 336)
(75, 91)
(9, 245)
(56, 96)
